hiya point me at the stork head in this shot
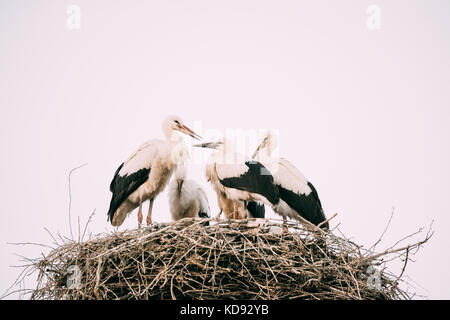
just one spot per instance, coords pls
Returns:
(174, 123)
(268, 142)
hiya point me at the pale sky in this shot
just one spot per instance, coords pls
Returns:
(363, 113)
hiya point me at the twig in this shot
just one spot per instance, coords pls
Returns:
(70, 197)
(323, 222)
(87, 223)
(372, 248)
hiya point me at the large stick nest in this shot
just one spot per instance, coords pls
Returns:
(227, 259)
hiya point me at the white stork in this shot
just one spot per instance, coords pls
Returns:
(186, 197)
(298, 197)
(237, 182)
(146, 173)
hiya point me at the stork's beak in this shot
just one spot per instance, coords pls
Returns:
(261, 145)
(189, 132)
(211, 145)
(180, 184)
(256, 152)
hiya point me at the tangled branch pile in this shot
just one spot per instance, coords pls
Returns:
(237, 259)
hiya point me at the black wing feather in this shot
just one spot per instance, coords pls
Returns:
(257, 179)
(123, 186)
(111, 186)
(308, 206)
(203, 215)
(256, 209)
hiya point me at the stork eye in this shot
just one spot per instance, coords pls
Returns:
(177, 122)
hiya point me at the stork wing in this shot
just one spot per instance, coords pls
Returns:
(307, 206)
(287, 175)
(296, 191)
(131, 175)
(143, 157)
(111, 185)
(315, 195)
(251, 176)
(123, 186)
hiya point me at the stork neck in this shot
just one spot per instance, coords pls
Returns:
(178, 152)
(168, 134)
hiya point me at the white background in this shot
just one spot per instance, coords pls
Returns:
(364, 114)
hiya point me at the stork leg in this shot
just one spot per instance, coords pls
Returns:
(285, 228)
(235, 212)
(140, 214)
(246, 212)
(149, 214)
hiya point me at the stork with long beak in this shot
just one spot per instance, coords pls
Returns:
(146, 173)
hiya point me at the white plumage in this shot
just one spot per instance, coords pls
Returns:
(147, 171)
(186, 197)
(298, 198)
